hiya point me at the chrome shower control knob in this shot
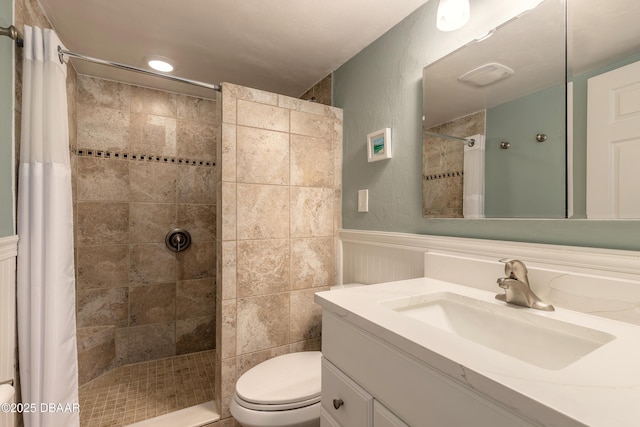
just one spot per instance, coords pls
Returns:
(178, 240)
(337, 403)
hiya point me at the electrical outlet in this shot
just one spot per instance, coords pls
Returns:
(363, 200)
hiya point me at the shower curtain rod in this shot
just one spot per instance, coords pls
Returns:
(63, 52)
(13, 33)
(470, 142)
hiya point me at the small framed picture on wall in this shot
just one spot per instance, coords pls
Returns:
(379, 145)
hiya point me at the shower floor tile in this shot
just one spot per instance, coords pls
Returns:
(145, 390)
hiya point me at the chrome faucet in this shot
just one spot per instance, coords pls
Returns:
(516, 287)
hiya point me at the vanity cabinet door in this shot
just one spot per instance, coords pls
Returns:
(382, 417)
(346, 402)
(326, 420)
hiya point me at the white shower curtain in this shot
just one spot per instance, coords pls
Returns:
(46, 284)
(473, 182)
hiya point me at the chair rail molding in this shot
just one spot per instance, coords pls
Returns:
(568, 257)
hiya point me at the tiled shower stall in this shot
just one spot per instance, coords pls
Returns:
(144, 164)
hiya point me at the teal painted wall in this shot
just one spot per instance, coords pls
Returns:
(6, 123)
(380, 87)
(528, 179)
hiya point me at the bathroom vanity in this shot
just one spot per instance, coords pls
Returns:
(425, 352)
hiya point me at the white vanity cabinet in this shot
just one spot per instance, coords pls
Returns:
(345, 403)
(376, 384)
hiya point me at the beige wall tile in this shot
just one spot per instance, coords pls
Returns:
(153, 135)
(195, 298)
(249, 360)
(153, 182)
(198, 109)
(229, 265)
(102, 223)
(263, 267)
(102, 179)
(198, 220)
(102, 307)
(312, 125)
(151, 342)
(311, 161)
(229, 328)
(311, 262)
(197, 262)
(228, 155)
(263, 212)
(103, 128)
(196, 184)
(262, 156)
(196, 140)
(314, 344)
(152, 263)
(263, 322)
(228, 379)
(229, 105)
(103, 93)
(228, 211)
(152, 304)
(263, 116)
(150, 222)
(98, 354)
(311, 212)
(250, 94)
(306, 316)
(103, 266)
(150, 101)
(196, 334)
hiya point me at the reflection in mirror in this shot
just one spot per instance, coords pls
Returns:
(604, 69)
(509, 87)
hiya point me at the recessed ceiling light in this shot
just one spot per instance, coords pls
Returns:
(160, 63)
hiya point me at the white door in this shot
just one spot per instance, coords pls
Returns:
(613, 144)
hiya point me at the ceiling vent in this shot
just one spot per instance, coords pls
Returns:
(486, 74)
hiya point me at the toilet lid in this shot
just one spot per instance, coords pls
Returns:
(288, 378)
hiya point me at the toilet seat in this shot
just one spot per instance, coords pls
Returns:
(284, 382)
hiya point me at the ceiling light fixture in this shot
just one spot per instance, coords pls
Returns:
(160, 63)
(452, 14)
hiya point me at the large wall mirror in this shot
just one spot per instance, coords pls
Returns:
(507, 92)
(510, 92)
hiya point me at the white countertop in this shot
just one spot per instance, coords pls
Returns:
(600, 389)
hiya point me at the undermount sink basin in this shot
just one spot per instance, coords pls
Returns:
(539, 340)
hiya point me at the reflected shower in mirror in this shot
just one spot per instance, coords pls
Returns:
(510, 88)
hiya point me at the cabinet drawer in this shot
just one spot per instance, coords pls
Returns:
(382, 417)
(345, 401)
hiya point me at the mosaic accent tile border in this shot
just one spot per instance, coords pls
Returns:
(443, 175)
(90, 152)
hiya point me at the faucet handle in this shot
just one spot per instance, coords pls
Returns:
(514, 269)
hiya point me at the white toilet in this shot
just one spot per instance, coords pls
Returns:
(281, 392)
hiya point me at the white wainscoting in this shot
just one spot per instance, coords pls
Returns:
(8, 253)
(602, 282)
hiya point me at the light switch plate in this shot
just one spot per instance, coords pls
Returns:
(363, 200)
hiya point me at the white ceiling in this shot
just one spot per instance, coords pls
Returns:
(283, 46)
